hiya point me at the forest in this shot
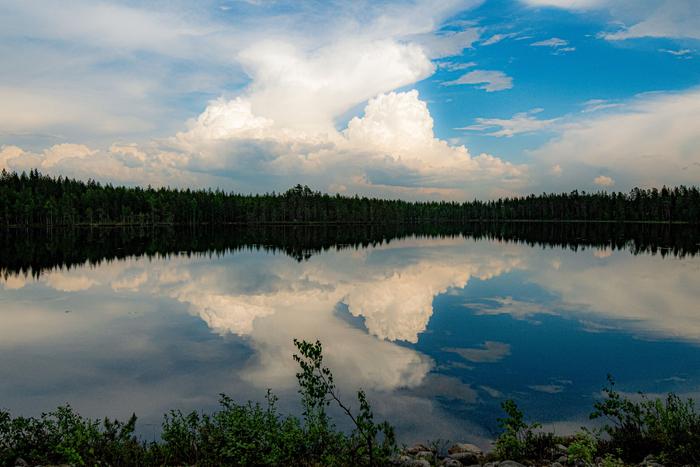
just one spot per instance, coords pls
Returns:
(35, 199)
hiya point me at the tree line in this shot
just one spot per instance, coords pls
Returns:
(35, 199)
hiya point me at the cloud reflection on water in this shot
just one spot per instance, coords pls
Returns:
(129, 340)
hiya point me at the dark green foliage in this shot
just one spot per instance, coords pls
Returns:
(667, 428)
(38, 200)
(63, 436)
(238, 434)
(519, 440)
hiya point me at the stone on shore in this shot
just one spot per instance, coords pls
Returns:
(466, 458)
(510, 464)
(416, 448)
(465, 447)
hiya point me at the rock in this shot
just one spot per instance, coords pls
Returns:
(449, 462)
(407, 461)
(560, 448)
(510, 464)
(416, 448)
(563, 459)
(465, 447)
(491, 464)
(556, 464)
(400, 460)
(466, 458)
(416, 463)
(427, 455)
(21, 463)
(650, 461)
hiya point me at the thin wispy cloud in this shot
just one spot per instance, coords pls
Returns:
(520, 123)
(488, 80)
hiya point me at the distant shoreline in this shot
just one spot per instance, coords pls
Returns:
(358, 223)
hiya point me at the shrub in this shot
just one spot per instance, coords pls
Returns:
(519, 440)
(667, 428)
(583, 447)
(63, 436)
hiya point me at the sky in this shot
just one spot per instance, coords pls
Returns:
(457, 99)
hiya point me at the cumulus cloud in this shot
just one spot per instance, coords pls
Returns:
(307, 90)
(524, 122)
(280, 125)
(488, 80)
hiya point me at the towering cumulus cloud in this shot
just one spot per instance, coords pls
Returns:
(287, 124)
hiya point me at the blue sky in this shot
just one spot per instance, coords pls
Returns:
(416, 99)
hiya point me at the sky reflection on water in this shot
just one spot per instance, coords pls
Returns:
(439, 331)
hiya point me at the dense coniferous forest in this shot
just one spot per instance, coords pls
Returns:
(35, 199)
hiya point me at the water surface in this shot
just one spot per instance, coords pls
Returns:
(438, 325)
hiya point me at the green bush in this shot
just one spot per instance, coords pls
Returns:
(63, 436)
(583, 447)
(519, 440)
(667, 428)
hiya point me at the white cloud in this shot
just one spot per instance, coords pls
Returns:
(523, 122)
(278, 126)
(643, 18)
(594, 105)
(96, 69)
(69, 282)
(603, 180)
(130, 281)
(623, 292)
(450, 43)
(60, 152)
(559, 46)
(669, 18)
(308, 90)
(553, 42)
(488, 80)
(391, 148)
(455, 66)
(677, 53)
(496, 38)
(571, 4)
(650, 141)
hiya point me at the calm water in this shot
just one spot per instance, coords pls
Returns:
(438, 329)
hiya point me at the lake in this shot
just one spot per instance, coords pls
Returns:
(438, 324)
